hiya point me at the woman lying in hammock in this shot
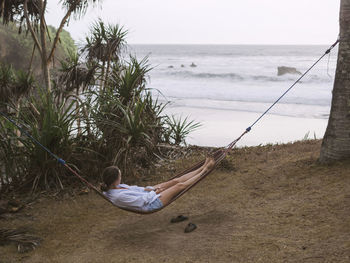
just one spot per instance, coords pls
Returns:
(151, 197)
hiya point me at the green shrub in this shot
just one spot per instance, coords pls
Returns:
(99, 113)
(178, 129)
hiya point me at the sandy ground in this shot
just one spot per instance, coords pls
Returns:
(264, 204)
(219, 127)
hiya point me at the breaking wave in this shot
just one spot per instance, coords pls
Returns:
(237, 77)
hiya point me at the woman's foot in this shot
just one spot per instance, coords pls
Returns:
(206, 161)
(210, 163)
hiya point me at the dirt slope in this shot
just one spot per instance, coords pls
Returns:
(265, 204)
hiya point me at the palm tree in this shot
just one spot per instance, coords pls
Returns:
(115, 45)
(14, 84)
(30, 15)
(74, 76)
(104, 46)
(336, 142)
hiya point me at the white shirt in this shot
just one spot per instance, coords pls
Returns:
(133, 197)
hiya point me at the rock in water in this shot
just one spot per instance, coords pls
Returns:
(171, 66)
(193, 65)
(287, 70)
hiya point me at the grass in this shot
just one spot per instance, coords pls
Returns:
(267, 204)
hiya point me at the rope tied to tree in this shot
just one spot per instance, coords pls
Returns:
(231, 145)
(218, 155)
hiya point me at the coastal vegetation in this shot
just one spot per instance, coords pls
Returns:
(271, 203)
(99, 112)
(30, 16)
(93, 108)
(11, 43)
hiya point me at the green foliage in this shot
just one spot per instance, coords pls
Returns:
(74, 75)
(11, 43)
(66, 41)
(78, 8)
(105, 42)
(104, 47)
(307, 136)
(7, 80)
(49, 123)
(11, 11)
(99, 113)
(13, 162)
(52, 125)
(14, 83)
(129, 81)
(126, 118)
(178, 129)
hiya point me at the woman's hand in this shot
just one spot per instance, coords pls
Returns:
(158, 190)
(155, 189)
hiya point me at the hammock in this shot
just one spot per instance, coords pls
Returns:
(218, 156)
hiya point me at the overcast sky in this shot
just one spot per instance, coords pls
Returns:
(213, 21)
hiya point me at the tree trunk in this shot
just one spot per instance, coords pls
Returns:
(46, 70)
(102, 77)
(31, 60)
(44, 57)
(107, 72)
(77, 116)
(336, 142)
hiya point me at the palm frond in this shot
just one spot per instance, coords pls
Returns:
(24, 241)
(180, 128)
(78, 7)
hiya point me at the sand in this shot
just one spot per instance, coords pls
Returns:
(220, 127)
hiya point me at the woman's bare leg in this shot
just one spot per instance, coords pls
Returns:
(169, 193)
(183, 178)
(187, 176)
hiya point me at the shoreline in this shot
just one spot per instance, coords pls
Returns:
(220, 127)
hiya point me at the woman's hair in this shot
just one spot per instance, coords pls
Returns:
(109, 176)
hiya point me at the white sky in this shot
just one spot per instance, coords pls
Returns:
(213, 21)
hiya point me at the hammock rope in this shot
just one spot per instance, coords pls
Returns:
(292, 86)
(218, 156)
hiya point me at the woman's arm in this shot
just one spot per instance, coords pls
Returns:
(141, 189)
(126, 199)
(132, 199)
(136, 188)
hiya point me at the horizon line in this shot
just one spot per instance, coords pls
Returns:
(233, 44)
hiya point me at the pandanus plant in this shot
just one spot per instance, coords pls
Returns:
(104, 46)
(121, 121)
(52, 125)
(14, 84)
(179, 128)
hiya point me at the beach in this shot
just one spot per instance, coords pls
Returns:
(227, 87)
(182, 131)
(220, 127)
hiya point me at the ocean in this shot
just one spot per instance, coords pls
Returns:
(228, 86)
